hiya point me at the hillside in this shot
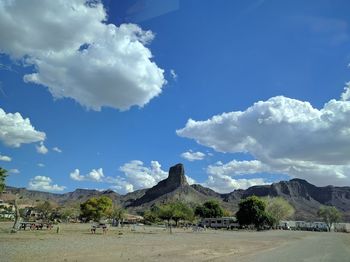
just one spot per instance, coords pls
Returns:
(305, 197)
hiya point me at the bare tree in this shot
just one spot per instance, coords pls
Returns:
(330, 215)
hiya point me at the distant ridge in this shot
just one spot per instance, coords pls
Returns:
(305, 197)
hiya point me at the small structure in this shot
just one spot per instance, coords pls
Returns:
(219, 222)
(303, 225)
(7, 211)
(342, 227)
(132, 219)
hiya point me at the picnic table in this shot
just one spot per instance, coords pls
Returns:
(35, 225)
(100, 225)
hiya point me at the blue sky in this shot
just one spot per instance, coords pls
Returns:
(115, 100)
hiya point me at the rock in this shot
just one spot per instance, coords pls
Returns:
(177, 176)
(175, 180)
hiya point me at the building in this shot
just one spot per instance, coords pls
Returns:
(220, 222)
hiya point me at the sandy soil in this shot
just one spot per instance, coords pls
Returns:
(76, 243)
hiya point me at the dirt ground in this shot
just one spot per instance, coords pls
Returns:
(74, 242)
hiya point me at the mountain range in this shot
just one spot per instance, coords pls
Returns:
(305, 197)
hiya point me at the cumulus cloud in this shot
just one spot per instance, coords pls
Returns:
(192, 156)
(286, 136)
(42, 149)
(5, 158)
(95, 175)
(44, 183)
(75, 175)
(56, 149)
(138, 176)
(16, 130)
(236, 168)
(58, 37)
(226, 184)
(190, 180)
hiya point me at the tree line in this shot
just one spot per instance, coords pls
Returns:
(260, 212)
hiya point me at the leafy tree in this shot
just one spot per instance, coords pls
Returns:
(278, 208)
(3, 175)
(173, 211)
(330, 215)
(252, 212)
(96, 208)
(45, 209)
(67, 213)
(118, 213)
(181, 212)
(209, 209)
(150, 216)
(166, 212)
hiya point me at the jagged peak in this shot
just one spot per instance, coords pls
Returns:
(177, 175)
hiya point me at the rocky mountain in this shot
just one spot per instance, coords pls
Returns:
(305, 197)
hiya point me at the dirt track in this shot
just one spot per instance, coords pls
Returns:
(76, 243)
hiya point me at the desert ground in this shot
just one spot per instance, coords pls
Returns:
(74, 242)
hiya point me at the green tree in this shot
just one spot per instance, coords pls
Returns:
(3, 175)
(252, 212)
(67, 213)
(329, 215)
(209, 209)
(96, 208)
(181, 212)
(118, 213)
(175, 211)
(278, 208)
(166, 212)
(150, 216)
(45, 209)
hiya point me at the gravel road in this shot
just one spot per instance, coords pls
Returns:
(315, 247)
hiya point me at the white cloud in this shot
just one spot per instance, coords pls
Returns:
(58, 37)
(234, 168)
(44, 183)
(42, 149)
(190, 180)
(95, 175)
(226, 184)
(14, 171)
(56, 149)
(41, 165)
(16, 130)
(5, 158)
(75, 175)
(286, 136)
(192, 156)
(345, 96)
(138, 176)
(173, 74)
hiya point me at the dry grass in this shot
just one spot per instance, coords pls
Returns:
(76, 243)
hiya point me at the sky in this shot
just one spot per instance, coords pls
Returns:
(111, 94)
